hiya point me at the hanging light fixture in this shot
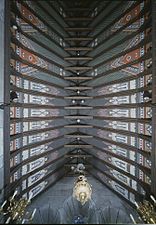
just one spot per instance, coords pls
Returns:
(13, 96)
(15, 210)
(82, 190)
(14, 25)
(146, 210)
(147, 95)
(149, 64)
(73, 101)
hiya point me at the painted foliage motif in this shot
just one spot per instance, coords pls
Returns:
(130, 57)
(31, 18)
(127, 18)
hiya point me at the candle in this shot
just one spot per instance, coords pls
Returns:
(8, 220)
(15, 193)
(136, 204)
(23, 221)
(3, 204)
(30, 197)
(152, 220)
(32, 216)
(151, 196)
(132, 218)
(16, 214)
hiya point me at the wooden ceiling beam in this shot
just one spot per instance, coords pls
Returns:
(78, 107)
(79, 48)
(78, 126)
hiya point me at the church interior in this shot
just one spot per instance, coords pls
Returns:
(78, 112)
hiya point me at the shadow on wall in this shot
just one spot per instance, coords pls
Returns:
(72, 212)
